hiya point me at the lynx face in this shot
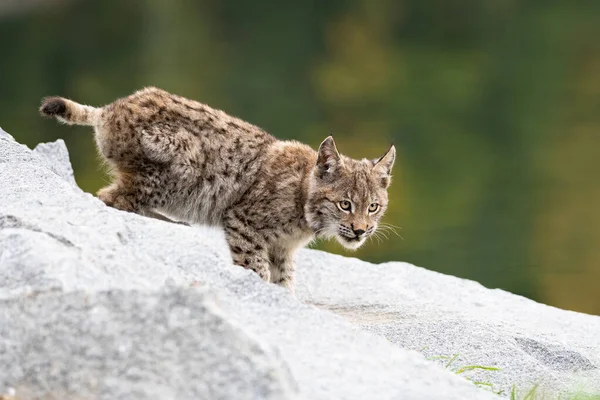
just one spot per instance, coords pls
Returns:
(348, 197)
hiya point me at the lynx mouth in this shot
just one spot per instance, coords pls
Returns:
(351, 243)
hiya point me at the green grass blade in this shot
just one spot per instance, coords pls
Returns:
(531, 394)
(454, 357)
(472, 367)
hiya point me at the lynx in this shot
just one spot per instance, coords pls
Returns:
(175, 158)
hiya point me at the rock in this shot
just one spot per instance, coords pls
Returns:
(96, 303)
(6, 135)
(460, 322)
(56, 157)
(112, 342)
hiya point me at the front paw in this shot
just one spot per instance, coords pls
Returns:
(264, 274)
(288, 284)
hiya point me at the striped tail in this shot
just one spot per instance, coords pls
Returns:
(69, 112)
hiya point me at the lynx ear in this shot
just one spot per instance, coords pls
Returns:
(383, 166)
(328, 159)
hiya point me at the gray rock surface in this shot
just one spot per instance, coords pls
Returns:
(56, 157)
(134, 344)
(98, 303)
(443, 316)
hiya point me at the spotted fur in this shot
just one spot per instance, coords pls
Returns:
(175, 157)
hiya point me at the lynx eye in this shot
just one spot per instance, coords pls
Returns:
(345, 205)
(373, 207)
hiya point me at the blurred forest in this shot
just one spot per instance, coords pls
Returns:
(494, 107)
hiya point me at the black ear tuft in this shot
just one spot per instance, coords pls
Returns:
(53, 106)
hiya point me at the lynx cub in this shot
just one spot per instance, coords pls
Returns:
(180, 158)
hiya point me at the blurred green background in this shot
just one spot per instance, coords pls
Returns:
(494, 107)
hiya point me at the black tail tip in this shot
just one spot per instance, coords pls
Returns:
(53, 106)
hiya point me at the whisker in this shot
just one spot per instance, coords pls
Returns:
(376, 237)
(390, 229)
(383, 234)
(391, 225)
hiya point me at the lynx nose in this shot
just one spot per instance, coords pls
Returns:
(357, 232)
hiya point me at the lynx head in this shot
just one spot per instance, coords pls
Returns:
(346, 197)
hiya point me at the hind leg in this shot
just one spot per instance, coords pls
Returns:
(122, 198)
(131, 198)
(127, 192)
